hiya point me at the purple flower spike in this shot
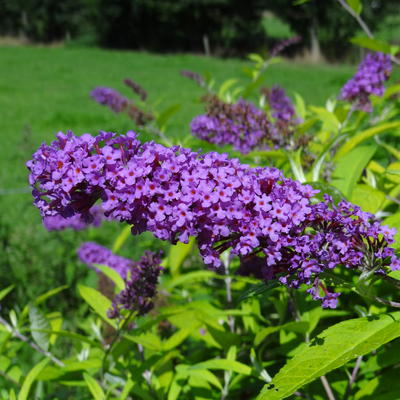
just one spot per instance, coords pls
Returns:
(282, 108)
(118, 103)
(241, 125)
(176, 193)
(245, 127)
(92, 253)
(110, 98)
(372, 72)
(140, 277)
(136, 88)
(76, 222)
(140, 287)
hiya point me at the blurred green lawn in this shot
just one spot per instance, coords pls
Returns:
(46, 90)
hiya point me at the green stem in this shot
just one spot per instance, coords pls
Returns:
(116, 337)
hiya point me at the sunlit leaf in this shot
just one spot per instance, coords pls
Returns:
(94, 387)
(30, 379)
(330, 350)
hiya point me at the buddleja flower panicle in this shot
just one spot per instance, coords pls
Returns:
(140, 277)
(176, 193)
(369, 80)
(244, 126)
(119, 104)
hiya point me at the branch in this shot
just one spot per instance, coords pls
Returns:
(16, 333)
(357, 17)
(327, 388)
(363, 25)
(352, 378)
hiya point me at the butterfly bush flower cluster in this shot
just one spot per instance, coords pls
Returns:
(140, 287)
(76, 222)
(241, 124)
(244, 126)
(369, 79)
(176, 193)
(119, 104)
(140, 277)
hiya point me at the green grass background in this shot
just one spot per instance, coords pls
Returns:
(46, 90)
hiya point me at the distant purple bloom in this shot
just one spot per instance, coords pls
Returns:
(176, 193)
(194, 77)
(110, 98)
(285, 43)
(372, 72)
(241, 125)
(118, 103)
(136, 88)
(76, 222)
(92, 253)
(244, 126)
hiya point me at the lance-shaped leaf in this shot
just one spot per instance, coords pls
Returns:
(330, 350)
(39, 327)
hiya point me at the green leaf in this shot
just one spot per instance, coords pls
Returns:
(97, 301)
(38, 321)
(177, 255)
(372, 44)
(191, 277)
(392, 150)
(30, 379)
(226, 86)
(258, 289)
(300, 106)
(164, 116)
(127, 389)
(355, 5)
(224, 364)
(368, 198)
(255, 58)
(71, 335)
(176, 386)
(5, 291)
(203, 374)
(329, 120)
(113, 275)
(363, 136)
(121, 238)
(176, 339)
(94, 387)
(294, 326)
(89, 364)
(330, 350)
(325, 188)
(394, 222)
(350, 167)
(148, 340)
(50, 293)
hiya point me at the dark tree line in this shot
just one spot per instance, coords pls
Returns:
(227, 26)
